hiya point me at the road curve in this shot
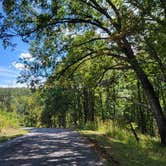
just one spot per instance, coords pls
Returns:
(49, 147)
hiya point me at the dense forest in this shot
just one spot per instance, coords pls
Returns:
(19, 106)
(91, 61)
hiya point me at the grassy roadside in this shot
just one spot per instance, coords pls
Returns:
(9, 126)
(8, 134)
(101, 144)
(120, 147)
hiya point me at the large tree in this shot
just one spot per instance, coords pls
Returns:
(90, 29)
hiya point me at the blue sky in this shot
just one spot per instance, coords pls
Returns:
(9, 69)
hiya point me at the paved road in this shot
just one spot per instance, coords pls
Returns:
(49, 147)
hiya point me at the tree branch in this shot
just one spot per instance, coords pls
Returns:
(89, 41)
(101, 10)
(116, 12)
(114, 67)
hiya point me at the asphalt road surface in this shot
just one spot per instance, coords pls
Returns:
(49, 147)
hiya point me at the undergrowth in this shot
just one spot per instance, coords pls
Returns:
(9, 126)
(122, 148)
(8, 120)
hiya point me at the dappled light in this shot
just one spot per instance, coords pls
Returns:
(94, 66)
(49, 147)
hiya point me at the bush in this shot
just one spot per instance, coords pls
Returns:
(8, 120)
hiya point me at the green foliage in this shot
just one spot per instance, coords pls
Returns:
(8, 120)
(100, 59)
(29, 110)
(119, 145)
(10, 133)
(21, 102)
(89, 126)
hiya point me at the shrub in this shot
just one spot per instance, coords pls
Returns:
(8, 120)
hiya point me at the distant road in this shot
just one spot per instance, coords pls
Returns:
(49, 147)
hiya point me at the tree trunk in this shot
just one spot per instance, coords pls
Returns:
(114, 100)
(149, 91)
(88, 104)
(107, 102)
(101, 106)
(91, 105)
(142, 119)
(134, 132)
(85, 104)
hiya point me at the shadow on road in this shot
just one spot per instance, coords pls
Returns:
(49, 147)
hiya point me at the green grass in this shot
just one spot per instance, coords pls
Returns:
(8, 120)
(9, 134)
(120, 147)
(9, 126)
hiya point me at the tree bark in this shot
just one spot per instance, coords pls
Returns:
(101, 105)
(88, 104)
(92, 105)
(85, 104)
(141, 117)
(134, 132)
(149, 91)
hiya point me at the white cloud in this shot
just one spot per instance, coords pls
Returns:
(25, 55)
(19, 66)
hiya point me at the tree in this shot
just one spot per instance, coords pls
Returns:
(112, 28)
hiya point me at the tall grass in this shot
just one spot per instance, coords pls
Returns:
(8, 120)
(121, 144)
(114, 130)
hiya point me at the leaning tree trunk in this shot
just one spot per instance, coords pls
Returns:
(149, 91)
